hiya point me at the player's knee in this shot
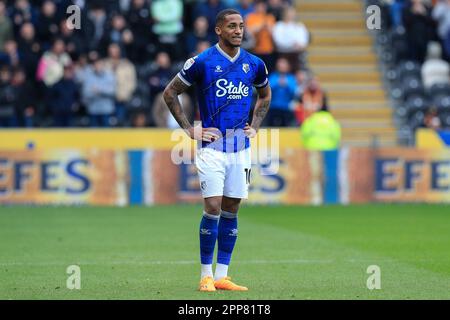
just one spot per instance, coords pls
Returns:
(213, 206)
(230, 205)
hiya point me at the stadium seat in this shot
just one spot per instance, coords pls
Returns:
(442, 102)
(416, 119)
(412, 88)
(411, 81)
(387, 57)
(397, 92)
(392, 74)
(406, 135)
(410, 93)
(401, 111)
(445, 119)
(439, 89)
(409, 68)
(382, 40)
(416, 103)
(399, 43)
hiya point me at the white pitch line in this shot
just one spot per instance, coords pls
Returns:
(194, 262)
(150, 263)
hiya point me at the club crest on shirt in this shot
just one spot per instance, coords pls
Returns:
(246, 67)
(219, 69)
(203, 185)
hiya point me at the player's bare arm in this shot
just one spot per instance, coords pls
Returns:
(261, 108)
(171, 93)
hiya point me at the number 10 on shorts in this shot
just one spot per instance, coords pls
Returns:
(248, 175)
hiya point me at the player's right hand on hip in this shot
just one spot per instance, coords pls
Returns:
(204, 134)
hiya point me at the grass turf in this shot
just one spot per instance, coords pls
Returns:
(283, 252)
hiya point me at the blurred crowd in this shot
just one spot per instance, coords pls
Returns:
(112, 70)
(424, 21)
(419, 35)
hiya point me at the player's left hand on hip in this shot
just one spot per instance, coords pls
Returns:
(249, 131)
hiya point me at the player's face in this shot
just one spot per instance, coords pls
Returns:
(232, 30)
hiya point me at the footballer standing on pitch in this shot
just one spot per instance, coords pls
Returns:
(225, 76)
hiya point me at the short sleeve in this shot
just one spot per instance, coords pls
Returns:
(189, 73)
(261, 78)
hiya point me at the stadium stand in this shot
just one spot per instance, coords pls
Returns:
(416, 73)
(133, 51)
(359, 77)
(342, 56)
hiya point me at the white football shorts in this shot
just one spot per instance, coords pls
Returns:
(224, 174)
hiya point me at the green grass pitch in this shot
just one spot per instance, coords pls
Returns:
(283, 252)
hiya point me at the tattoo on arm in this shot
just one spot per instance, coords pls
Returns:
(171, 93)
(261, 107)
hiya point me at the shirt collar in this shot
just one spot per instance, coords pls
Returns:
(226, 54)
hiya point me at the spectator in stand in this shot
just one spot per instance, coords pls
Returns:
(118, 33)
(395, 12)
(248, 42)
(162, 74)
(260, 24)
(29, 49)
(63, 97)
(82, 66)
(300, 78)
(25, 102)
(230, 3)
(291, 37)
(168, 16)
(8, 116)
(94, 26)
(62, 5)
(441, 14)
(199, 33)
(22, 12)
(139, 20)
(201, 46)
(126, 80)
(139, 120)
(283, 85)
(313, 99)
(419, 28)
(112, 7)
(321, 131)
(35, 39)
(47, 27)
(245, 7)
(209, 9)
(51, 66)
(276, 8)
(75, 45)
(431, 119)
(447, 45)
(435, 70)
(10, 54)
(98, 93)
(6, 28)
